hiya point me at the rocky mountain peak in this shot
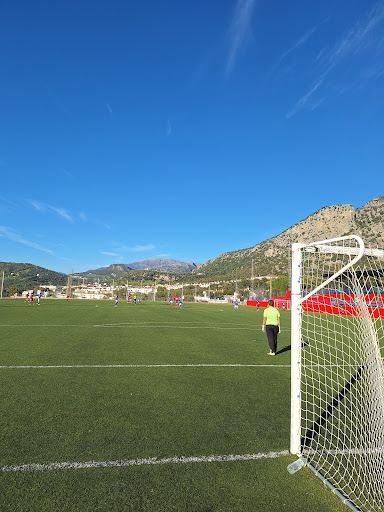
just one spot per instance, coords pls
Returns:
(272, 255)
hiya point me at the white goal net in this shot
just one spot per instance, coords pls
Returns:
(337, 395)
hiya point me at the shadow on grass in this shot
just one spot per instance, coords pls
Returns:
(285, 349)
(288, 347)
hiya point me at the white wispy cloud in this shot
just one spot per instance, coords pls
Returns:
(138, 248)
(300, 42)
(61, 212)
(169, 128)
(239, 33)
(69, 176)
(118, 251)
(37, 205)
(106, 253)
(306, 100)
(361, 37)
(355, 40)
(8, 204)
(9, 234)
(44, 207)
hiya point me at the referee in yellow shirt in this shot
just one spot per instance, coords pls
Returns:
(271, 323)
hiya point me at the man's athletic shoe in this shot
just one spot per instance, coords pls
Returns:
(271, 354)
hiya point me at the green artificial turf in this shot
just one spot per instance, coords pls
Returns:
(104, 383)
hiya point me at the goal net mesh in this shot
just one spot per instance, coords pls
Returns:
(342, 374)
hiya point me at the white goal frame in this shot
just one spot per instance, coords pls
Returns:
(351, 250)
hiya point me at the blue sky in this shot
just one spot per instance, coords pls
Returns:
(182, 129)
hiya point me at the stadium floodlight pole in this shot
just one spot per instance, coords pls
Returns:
(69, 285)
(252, 280)
(2, 285)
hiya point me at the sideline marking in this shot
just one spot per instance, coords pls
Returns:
(141, 462)
(209, 365)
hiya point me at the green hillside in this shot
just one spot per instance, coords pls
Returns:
(25, 276)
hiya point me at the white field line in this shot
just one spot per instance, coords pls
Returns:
(202, 365)
(236, 328)
(141, 325)
(134, 326)
(191, 365)
(141, 462)
(146, 322)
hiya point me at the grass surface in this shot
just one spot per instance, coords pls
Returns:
(68, 410)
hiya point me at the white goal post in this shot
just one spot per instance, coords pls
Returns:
(337, 372)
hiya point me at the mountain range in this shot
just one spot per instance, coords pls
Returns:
(269, 257)
(164, 265)
(273, 255)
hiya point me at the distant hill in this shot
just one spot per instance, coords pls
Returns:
(114, 270)
(26, 276)
(165, 265)
(272, 255)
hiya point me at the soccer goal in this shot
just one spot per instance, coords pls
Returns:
(337, 376)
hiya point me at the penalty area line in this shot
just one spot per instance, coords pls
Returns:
(141, 462)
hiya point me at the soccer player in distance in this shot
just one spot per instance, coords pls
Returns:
(271, 324)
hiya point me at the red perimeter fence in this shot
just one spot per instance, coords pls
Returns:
(335, 304)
